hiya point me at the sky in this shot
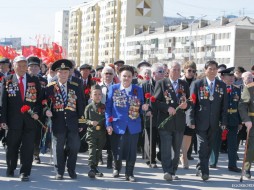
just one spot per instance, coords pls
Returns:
(28, 18)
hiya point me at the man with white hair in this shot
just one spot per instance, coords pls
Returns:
(171, 100)
(20, 89)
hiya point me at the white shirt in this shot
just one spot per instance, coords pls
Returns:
(127, 90)
(209, 84)
(174, 85)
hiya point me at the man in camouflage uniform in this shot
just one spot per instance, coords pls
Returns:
(246, 110)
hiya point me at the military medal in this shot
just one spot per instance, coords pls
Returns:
(211, 98)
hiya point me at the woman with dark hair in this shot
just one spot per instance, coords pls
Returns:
(123, 110)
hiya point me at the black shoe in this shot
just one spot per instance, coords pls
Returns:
(91, 173)
(9, 173)
(190, 158)
(247, 174)
(37, 160)
(98, 173)
(116, 173)
(213, 166)
(234, 169)
(72, 174)
(24, 177)
(130, 178)
(59, 177)
(205, 177)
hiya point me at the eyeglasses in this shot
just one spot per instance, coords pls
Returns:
(161, 71)
(108, 73)
(193, 71)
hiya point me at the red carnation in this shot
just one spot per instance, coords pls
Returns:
(25, 108)
(44, 102)
(147, 95)
(96, 79)
(229, 90)
(110, 119)
(224, 134)
(87, 91)
(194, 98)
(140, 77)
(152, 99)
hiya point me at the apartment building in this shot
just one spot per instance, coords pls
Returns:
(98, 28)
(227, 41)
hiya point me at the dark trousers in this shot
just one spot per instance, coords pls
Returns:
(205, 140)
(232, 145)
(215, 148)
(37, 140)
(124, 147)
(154, 142)
(169, 140)
(23, 140)
(67, 144)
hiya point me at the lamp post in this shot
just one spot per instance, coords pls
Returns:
(190, 37)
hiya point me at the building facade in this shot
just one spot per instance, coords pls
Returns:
(98, 29)
(62, 29)
(227, 41)
(14, 43)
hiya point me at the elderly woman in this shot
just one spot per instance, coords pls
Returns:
(123, 122)
(189, 76)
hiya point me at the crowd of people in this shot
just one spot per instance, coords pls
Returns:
(123, 109)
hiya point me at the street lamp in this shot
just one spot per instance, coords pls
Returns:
(190, 37)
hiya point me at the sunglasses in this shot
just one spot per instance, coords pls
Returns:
(108, 73)
(193, 71)
(161, 71)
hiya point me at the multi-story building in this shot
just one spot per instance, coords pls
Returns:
(227, 41)
(15, 43)
(98, 29)
(62, 29)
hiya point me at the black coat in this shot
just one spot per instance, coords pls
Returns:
(12, 102)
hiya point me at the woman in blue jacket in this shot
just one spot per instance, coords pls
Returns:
(123, 122)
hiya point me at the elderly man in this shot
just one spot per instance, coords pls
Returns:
(5, 66)
(148, 87)
(209, 109)
(66, 111)
(20, 89)
(171, 93)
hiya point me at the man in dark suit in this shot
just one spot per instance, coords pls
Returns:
(20, 89)
(210, 109)
(34, 70)
(148, 87)
(67, 112)
(171, 93)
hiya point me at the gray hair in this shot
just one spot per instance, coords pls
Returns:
(173, 63)
(155, 67)
(107, 68)
(245, 74)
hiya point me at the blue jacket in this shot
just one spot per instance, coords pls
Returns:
(119, 106)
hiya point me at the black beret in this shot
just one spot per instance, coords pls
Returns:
(119, 61)
(144, 63)
(33, 60)
(85, 66)
(99, 67)
(61, 64)
(229, 71)
(4, 60)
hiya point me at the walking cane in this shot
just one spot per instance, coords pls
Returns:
(150, 143)
(245, 152)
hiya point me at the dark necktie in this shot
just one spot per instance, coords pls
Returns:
(211, 88)
(21, 88)
(64, 94)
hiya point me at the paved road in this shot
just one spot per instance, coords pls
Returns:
(42, 177)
